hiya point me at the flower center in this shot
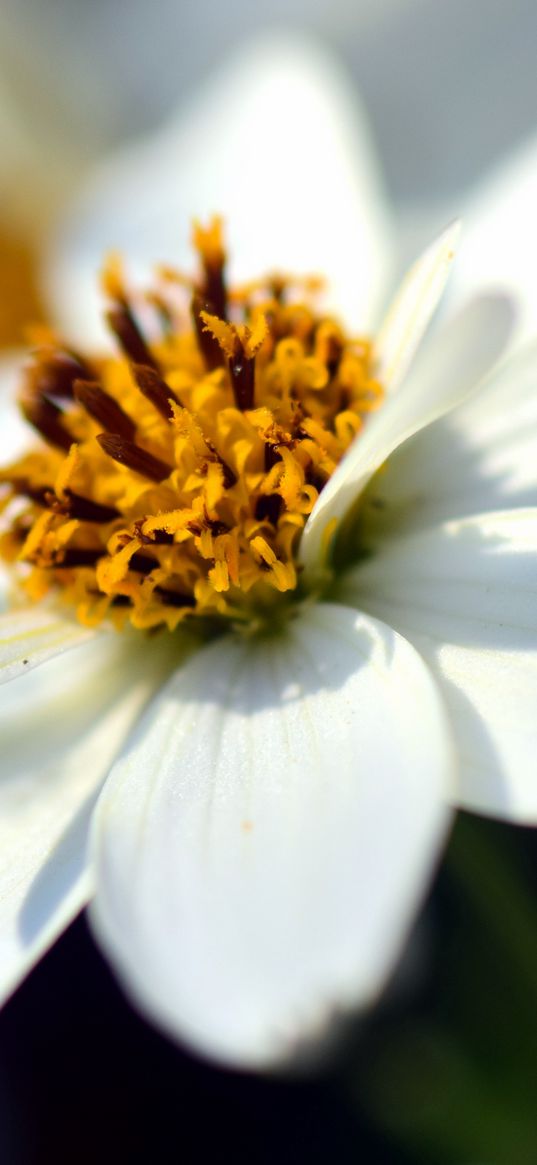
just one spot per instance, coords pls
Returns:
(175, 479)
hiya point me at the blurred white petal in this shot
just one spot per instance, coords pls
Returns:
(412, 309)
(31, 635)
(465, 594)
(500, 241)
(61, 728)
(278, 144)
(447, 370)
(480, 457)
(15, 434)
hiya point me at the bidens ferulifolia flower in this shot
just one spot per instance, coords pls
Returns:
(268, 829)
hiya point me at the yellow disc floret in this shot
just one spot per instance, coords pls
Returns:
(174, 479)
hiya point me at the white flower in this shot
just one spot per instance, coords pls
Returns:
(269, 824)
(501, 245)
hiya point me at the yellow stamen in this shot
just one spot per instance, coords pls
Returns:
(174, 480)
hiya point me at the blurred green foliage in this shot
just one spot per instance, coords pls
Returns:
(452, 1078)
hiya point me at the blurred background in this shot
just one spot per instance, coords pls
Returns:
(450, 90)
(449, 87)
(444, 1072)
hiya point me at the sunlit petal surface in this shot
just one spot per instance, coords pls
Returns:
(465, 594)
(481, 457)
(448, 369)
(500, 248)
(264, 842)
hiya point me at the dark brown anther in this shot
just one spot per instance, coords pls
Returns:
(54, 373)
(272, 455)
(77, 557)
(124, 326)
(155, 389)
(104, 409)
(22, 487)
(316, 480)
(155, 538)
(278, 285)
(215, 290)
(174, 598)
(230, 478)
(129, 454)
(142, 564)
(46, 417)
(268, 508)
(209, 348)
(335, 353)
(214, 284)
(344, 400)
(242, 372)
(209, 244)
(216, 527)
(329, 349)
(85, 510)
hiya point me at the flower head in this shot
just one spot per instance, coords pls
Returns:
(271, 803)
(207, 478)
(177, 477)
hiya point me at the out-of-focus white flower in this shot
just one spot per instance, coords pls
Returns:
(268, 829)
(501, 239)
(281, 151)
(456, 99)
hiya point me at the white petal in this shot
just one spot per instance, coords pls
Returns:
(465, 594)
(448, 369)
(15, 434)
(278, 144)
(31, 635)
(500, 247)
(481, 457)
(412, 309)
(264, 844)
(60, 730)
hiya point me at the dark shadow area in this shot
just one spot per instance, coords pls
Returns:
(440, 1074)
(450, 1074)
(84, 1080)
